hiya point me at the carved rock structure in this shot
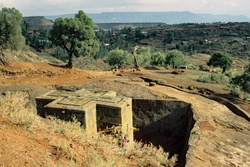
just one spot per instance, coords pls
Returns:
(161, 122)
(95, 110)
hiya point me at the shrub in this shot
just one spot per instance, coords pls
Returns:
(119, 58)
(175, 58)
(71, 130)
(149, 155)
(225, 79)
(144, 55)
(14, 107)
(204, 68)
(220, 59)
(157, 59)
(235, 90)
(214, 78)
(232, 74)
(205, 79)
(60, 54)
(243, 80)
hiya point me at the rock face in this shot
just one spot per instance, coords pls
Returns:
(219, 137)
(165, 123)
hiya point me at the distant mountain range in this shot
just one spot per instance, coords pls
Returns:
(160, 17)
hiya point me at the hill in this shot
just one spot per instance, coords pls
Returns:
(161, 17)
(190, 38)
(37, 22)
(232, 37)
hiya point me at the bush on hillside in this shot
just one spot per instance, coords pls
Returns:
(220, 59)
(143, 55)
(214, 78)
(157, 59)
(119, 58)
(243, 80)
(176, 59)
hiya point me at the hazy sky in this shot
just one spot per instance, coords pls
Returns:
(57, 7)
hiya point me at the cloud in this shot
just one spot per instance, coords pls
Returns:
(53, 7)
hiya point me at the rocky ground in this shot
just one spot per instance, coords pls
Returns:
(218, 138)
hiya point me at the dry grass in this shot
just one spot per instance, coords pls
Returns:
(70, 146)
(15, 109)
(149, 155)
(71, 130)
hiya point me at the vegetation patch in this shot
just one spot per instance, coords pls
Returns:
(15, 109)
(214, 78)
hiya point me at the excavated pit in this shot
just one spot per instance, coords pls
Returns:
(165, 123)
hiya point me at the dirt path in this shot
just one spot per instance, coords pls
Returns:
(219, 137)
(43, 74)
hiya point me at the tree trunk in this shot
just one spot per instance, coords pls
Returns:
(135, 59)
(3, 61)
(70, 65)
(136, 63)
(223, 70)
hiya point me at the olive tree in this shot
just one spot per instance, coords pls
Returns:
(220, 59)
(144, 55)
(75, 35)
(119, 58)
(157, 59)
(175, 58)
(10, 31)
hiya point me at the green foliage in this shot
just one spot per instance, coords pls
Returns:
(193, 47)
(39, 39)
(60, 54)
(168, 39)
(110, 40)
(220, 59)
(214, 78)
(243, 80)
(157, 59)
(247, 69)
(235, 90)
(204, 68)
(75, 35)
(10, 29)
(204, 79)
(143, 55)
(138, 34)
(152, 34)
(119, 58)
(199, 38)
(175, 58)
(231, 74)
